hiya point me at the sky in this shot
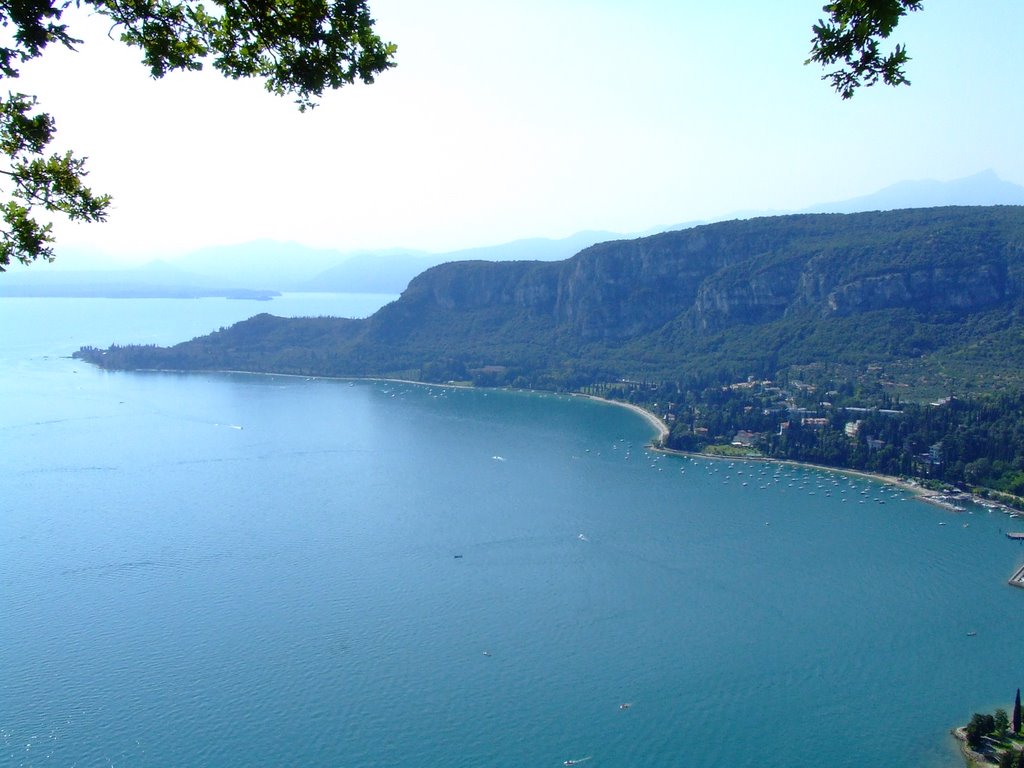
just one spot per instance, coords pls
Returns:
(511, 119)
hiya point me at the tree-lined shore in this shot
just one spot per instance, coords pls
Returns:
(971, 444)
(993, 739)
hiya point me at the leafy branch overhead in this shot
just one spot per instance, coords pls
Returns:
(300, 48)
(851, 37)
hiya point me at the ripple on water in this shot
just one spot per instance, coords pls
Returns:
(295, 599)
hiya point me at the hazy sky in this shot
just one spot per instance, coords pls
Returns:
(532, 118)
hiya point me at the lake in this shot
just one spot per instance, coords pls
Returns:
(230, 569)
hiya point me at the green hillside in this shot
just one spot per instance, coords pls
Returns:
(928, 299)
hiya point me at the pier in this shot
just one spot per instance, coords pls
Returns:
(1017, 580)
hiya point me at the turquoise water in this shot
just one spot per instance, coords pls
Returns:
(213, 570)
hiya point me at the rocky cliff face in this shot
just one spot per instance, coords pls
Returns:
(735, 294)
(468, 285)
(750, 295)
(965, 288)
(749, 272)
(622, 289)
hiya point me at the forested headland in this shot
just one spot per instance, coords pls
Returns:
(886, 341)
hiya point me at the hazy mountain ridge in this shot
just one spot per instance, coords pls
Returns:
(737, 298)
(390, 272)
(269, 266)
(157, 279)
(983, 188)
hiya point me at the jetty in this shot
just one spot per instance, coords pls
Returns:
(1017, 579)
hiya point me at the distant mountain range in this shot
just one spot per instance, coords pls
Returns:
(928, 298)
(263, 268)
(981, 189)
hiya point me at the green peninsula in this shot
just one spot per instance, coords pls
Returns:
(821, 338)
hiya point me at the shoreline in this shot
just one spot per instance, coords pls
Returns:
(927, 495)
(653, 419)
(936, 498)
(945, 500)
(976, 759)
(973, 758)
(659, 427)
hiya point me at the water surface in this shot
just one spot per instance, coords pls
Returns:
(225, 569)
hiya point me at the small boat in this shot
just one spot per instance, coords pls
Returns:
(972, 634)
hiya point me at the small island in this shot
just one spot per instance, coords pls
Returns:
(993, 739)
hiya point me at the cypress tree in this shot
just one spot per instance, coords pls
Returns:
(1016, 713)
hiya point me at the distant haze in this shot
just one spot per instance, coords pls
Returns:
(522, 119)
(981, 189)
(267, 265)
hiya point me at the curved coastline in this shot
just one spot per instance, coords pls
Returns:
(663, 431)
(919, 492)
(924, 494)
(657, 443)
(660, 426)
(650, 417)
(973, 759)
(935, 498)
(941, 499)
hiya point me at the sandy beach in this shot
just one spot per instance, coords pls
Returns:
(947, 500)
(651, 418)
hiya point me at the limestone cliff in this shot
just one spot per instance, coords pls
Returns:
(742, 295)
(750, 272)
